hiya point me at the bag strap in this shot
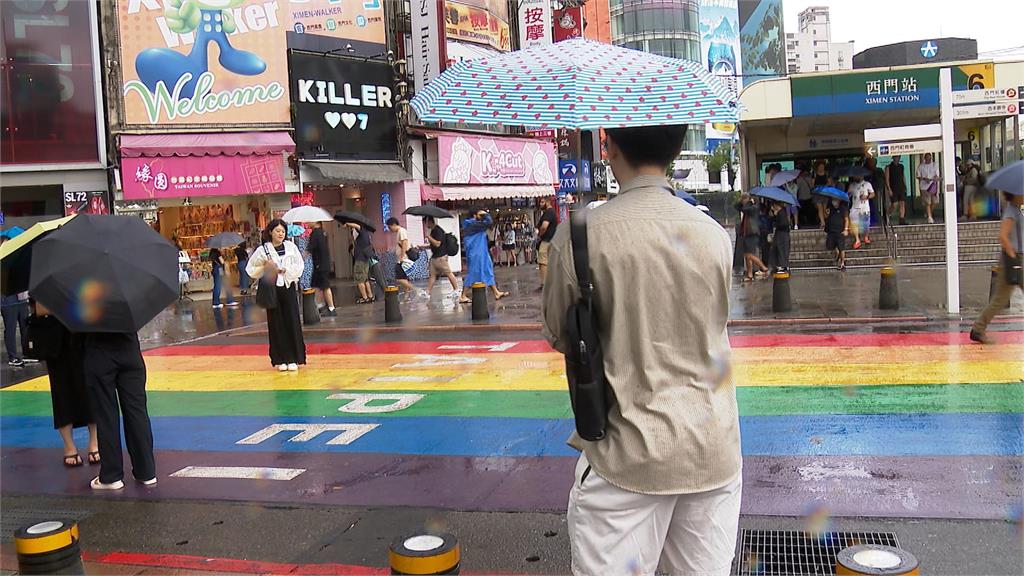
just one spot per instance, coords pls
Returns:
(580, 254)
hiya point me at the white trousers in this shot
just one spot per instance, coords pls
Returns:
(613, 531)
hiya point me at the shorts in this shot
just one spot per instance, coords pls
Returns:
(400, 272)
(861, 221)
(439, 267)
(321, 278)
(928, 199)
(361, 271)
(542, 253)
(508, 246)
(820, 200)
(750, 244)
(835, 241)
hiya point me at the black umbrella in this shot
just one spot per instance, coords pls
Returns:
(225, 240)
(428, 210)
(104, 273)
(345, 216)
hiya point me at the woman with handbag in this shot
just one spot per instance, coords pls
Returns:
(278, 265)
(1011, 276)
(65, 365)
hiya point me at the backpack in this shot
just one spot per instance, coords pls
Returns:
(451, 244)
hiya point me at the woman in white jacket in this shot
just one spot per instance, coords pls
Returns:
(281, 263)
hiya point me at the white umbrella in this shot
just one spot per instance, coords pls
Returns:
(307, 214)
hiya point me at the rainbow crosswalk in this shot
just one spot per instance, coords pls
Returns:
(874, 424)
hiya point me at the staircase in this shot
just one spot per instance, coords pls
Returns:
(917, 245)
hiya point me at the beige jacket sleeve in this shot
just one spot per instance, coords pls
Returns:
(560, 289)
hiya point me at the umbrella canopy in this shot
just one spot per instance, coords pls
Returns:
(831, 192)
(225, 240)
(104, 273)
(16, 255)
(344, 216)
(307, 214)
(776, 194)
(1009, 178)
(11, 232)
(784, 177)
(577, 83)
(428, 210)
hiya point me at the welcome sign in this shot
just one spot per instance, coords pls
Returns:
(209, 62)
(344, 108)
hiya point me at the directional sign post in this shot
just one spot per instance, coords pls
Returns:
(876, 149)
(988, 95)
(946, 111)
(1007, 108)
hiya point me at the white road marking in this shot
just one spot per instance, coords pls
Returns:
(429, 360)
(306, 432)
(504, 346)
(238, 472)
(411, 379)
(358, 403)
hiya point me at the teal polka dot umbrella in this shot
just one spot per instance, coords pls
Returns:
(575, 84)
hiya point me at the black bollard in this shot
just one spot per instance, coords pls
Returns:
(781, 300)
(392, 312)
(425, 554)
(49, 548)
(888, 290)
(480, 311)
(310, 313)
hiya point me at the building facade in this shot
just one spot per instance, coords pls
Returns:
(811, 48)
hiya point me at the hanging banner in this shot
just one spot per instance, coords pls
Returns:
(358, 20)
(483, 160)
(478, 24)
(191, 65)
(720, 46)
(427, 42)
(762, 39)
(534, 23)
(568, 23)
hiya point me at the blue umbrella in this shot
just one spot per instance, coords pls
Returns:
(1009, 178)
(12, 232)
(776, 194)
(784, 177)
(686, 196)
(831, 192)
(577, 84)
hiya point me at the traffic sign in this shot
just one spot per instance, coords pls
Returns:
(987, 95)
(1006, 108)
(900, 148)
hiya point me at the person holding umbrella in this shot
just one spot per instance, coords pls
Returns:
(320, 251)
(241, 257)
(279, 265)
(439, 265)
(749, 236)
(478, 254)
(837, 229)
(219, 272)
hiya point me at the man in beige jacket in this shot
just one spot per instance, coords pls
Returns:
(662, 489)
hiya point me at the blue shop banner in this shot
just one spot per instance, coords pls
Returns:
(567, 177)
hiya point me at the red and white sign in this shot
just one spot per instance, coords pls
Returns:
(568, 24)
(147, 177)
(534, 23)
(480, 160)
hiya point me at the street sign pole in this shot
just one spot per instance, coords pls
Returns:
(949, 195)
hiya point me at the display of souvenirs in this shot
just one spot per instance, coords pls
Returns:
(197, 224)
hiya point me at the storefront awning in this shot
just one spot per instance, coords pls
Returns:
(360, 172)
(216, 144)
(485, 192)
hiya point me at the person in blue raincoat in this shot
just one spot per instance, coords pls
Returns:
(480, 266)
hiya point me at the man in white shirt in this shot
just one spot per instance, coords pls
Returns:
(404, 264)
(928, 184)
(861, 192)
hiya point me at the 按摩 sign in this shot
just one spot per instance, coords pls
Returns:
(985, 110)
(204, 62)
(903, 148)
(534, 23)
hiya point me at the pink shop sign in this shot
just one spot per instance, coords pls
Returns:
(480, 160)
(177, 177)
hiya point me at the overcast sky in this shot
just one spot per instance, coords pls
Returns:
(995, 24)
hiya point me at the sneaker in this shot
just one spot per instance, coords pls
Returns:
(218, 306)
(293, 367)
(331, 313)
(150, 482)
(424, 294)
(283, 368)
(931, 220)
(16, 363)
(233, 304)
(97, 485)
(980, 337)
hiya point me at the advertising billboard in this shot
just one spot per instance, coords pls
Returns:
(356, 20)
(344, 108)
(196, 63)
(534, 23)
(485, 160)
(50, 85)
(762, 39)
(720, 50)
(478, 21)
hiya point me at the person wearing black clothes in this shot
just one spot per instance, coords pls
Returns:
(321, 254)
(780, 239)
(242, 256)
(896, 187)
(280, 261)
(837, 228)
(749, 235)
(364, 264)
(115, 375)
(545, 231)
(219, 275)
(439, 265)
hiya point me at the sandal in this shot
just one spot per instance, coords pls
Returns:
(748, 279)
(94, 458)
(72, 460)
(500, 295)
(465, 300)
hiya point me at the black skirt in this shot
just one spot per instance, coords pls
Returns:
(67, 384)
(286, 343)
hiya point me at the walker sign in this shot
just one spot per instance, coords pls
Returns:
(344, 108)
(210, 62)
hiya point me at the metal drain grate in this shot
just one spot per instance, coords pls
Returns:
(14, 519)
(797, 553)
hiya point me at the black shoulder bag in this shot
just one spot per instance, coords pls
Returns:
(266, 289)
(584, 362)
